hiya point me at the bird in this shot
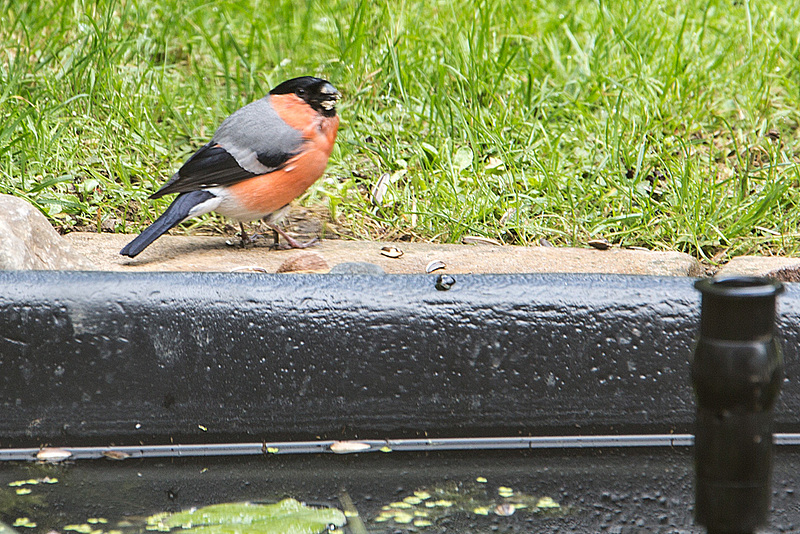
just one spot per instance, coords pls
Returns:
(263, 156)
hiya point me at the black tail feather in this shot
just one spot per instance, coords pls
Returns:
(176, 212)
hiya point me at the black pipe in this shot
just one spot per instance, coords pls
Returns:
(736, 372)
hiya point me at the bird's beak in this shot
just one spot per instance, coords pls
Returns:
(329, 91)
(330, 96)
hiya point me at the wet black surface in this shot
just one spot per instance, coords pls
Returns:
(616, 491)
(91, 358)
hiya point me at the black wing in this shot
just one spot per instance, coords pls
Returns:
(213, 166)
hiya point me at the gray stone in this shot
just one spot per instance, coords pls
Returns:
(28, 241)
(307, 262)
(357, 267)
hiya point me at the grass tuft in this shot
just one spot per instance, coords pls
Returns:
(671, 125)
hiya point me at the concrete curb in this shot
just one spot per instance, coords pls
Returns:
(784, 269)
(212, 254)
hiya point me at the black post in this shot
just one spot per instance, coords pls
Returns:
(736, 372)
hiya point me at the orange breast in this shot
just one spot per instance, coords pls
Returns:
(270, 192)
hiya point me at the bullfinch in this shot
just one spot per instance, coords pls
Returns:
(261, 158)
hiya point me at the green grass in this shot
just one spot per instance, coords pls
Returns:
(671, 125)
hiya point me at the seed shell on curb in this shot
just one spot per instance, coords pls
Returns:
(49, 454)
(391, 252)
(435, 265)
(505, 509)
(380, 188)
(347, 447)
(599, 243)
(510, 212)
(480, 240)
(116, 455)
(248, 269)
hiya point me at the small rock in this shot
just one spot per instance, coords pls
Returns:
(444, 282)
(30, 243)
(305, 262)
(357, 267)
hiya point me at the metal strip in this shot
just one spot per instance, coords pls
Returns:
(344, 447)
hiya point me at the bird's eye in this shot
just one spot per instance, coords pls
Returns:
(301, 91)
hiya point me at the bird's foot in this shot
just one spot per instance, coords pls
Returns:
(295, 244)
(249, 240)
(245, 240)
(290, 241)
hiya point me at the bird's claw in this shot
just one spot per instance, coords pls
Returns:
(293, 243)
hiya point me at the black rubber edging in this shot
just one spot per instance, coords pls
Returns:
(128, 358)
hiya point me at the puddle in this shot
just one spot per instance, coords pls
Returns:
(646, 490)
(40, 504)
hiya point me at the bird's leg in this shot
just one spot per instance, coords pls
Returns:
(291, 242)
(247, 240)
